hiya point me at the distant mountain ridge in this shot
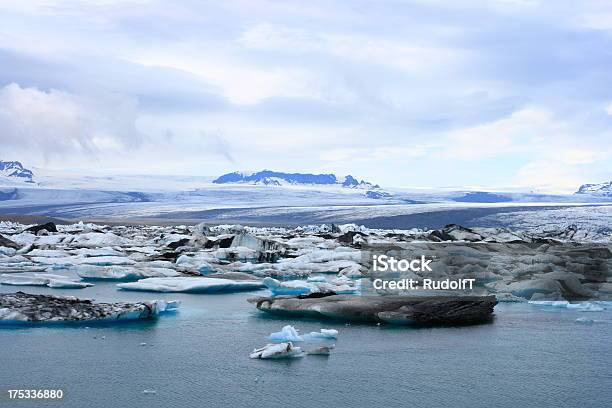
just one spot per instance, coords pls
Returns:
(15, 170)
(276, 178)
(600, 189)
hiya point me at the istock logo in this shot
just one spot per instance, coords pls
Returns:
(385, 263)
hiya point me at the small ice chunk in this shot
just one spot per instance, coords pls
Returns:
(551, 303)
(325, 334)
(320, 351)
(277, 351)
(67, 284)
(287, 333)
(586, 307)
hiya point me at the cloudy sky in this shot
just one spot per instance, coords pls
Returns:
(428, 93)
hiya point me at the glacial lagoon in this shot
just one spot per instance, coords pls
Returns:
(199, 356)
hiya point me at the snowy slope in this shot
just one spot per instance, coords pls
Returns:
(276, 178)
(13, 172)
(601, 189)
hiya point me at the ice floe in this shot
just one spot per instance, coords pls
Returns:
(21, 308)
(96, 272)
(299, 287)
(42, 279)
(287, 333)
(277, 351)
(190, 285)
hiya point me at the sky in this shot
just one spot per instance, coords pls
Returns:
(425, 93)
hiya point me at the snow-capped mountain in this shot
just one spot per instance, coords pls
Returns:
(601, 189)
(275, 178)
(14, 171)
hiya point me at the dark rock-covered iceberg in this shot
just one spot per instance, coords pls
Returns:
(433, 310)
(23, 307)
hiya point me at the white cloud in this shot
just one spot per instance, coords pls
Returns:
(405, 55)
(241, 83)
(50, 123)
(515, 133)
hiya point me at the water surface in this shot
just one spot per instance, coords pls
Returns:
(528, 357)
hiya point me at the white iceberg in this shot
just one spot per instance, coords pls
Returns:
(100, 239)
(43, 279)
(579, 306)
(190, 285)
(105, 251)
(48, 253)
(299, 287)
(325, 334)
(122, 272)
(277, 351)
(107, 272)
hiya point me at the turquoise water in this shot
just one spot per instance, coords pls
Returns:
(199, 357)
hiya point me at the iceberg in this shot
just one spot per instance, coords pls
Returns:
(190, 285)
(316, 279)
(580, 306)
(586, 307)
(6, 251)
(100, 239)
(320, 351)
(292, 288)
(298, 287)
(121, 272)
(20, 308)
(107, 272)
(325, 334)
(92, 252)
(277, 351)
(42, 279)
(287, 333)
(48, 253)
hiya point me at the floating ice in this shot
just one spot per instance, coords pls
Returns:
(277, 351)
(105, 251)
(586, 307)
(287, 333)
(48, 253)
(107, 272)
(580, 306)
(25, 307)
(98, 239)
(291, 288)
(325, 334)
(320, 351)
(190, 285)
(7, 251)
(298, 287)
(121, 272)
(42, 279)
